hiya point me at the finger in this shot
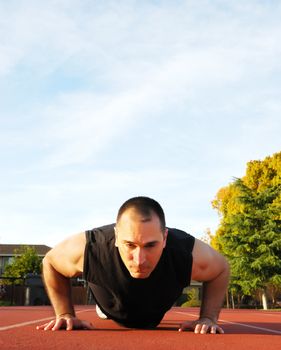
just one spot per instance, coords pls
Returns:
(49, 325)
(58, 324)
(197, 328)
(42, 326)
(220, 330)
(204, 329)
(185, 326)
(69, 324)
(213, 330)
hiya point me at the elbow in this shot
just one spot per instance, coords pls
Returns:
(46, 260)
(46, 263)
(226, 264)
(225, 267)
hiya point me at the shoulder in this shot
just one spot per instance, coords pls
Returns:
(100, 234)
(67, 256)
(207, 262)
(179, 238)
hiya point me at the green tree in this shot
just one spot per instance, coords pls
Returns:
(249, 234)
(26, 261)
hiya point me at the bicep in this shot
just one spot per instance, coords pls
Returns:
(68, 256)
(207, 262)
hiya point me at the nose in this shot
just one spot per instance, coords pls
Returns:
(139, 256)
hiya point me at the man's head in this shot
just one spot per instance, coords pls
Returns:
(141, 235)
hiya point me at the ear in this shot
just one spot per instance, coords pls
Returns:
(116, 237)
(165, 238)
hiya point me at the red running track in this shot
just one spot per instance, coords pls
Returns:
(244, 329)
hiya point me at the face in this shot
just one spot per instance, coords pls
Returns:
(140, 243)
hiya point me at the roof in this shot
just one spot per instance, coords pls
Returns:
(9, 249)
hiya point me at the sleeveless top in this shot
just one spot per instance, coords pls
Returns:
(132, 302)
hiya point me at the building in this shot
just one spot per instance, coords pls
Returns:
(7, 252)
(32, 292)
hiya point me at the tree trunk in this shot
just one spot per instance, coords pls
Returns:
(232, 300)
(227, 299)
(264, 300)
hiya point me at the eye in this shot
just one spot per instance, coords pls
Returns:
(129, 245)
(150, 245)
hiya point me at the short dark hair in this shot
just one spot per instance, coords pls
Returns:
(144, 206)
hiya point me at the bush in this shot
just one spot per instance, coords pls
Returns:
(192, 298)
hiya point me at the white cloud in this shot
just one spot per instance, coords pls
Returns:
(83, 124)
(200, 80)
(46, 35)
(48, 212)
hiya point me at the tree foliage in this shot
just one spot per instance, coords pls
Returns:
(249, 234)
(26, 261)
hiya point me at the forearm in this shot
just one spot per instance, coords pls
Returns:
(213, 295)
(58, 289)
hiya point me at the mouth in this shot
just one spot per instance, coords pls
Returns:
(140, 276)
(138, 269)
(140, 273)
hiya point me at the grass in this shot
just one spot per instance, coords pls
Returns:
(5, 303)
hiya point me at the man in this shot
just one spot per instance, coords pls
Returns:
(136, 270)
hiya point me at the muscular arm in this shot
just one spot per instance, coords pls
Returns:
(212, 269)
(59, 265)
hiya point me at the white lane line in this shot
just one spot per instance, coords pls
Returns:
(250, 326)
(16, 325)
(237, 323)
(22, 324)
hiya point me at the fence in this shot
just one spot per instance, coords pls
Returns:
(30, 291)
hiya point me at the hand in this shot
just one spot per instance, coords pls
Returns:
(67, 322)
(202, 326)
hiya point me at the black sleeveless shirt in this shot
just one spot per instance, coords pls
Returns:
(132, 302)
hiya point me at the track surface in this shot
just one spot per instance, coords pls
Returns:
(244, 329)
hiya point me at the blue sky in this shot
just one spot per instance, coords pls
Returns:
(104, 100)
